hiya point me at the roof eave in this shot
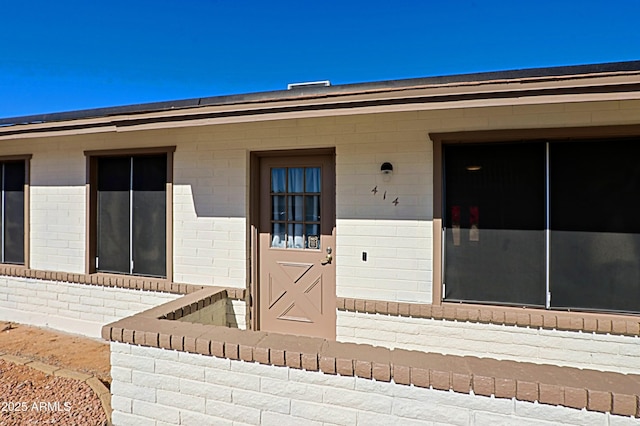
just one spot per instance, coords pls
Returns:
(489, 84)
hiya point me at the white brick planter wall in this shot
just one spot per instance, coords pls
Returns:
(602, 352)
(154, 386)
(76, 308)
(227, 312)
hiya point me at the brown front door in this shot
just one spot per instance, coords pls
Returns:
(297, 273)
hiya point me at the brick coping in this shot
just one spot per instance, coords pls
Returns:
(565, 386)
(131, 282)
(601, 323)
(616, 324)
(101, 391)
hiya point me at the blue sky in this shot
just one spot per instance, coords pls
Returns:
(77, 54)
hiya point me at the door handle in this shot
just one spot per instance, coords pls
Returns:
(327, 260)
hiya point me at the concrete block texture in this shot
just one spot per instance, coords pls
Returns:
(72, 307)
(604, 352)
(293, 396)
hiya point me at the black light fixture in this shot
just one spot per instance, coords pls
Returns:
(387, 171)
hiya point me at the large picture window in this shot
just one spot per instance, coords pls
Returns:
(594, 198)
(542, 223)
(130, 211)
(494, 223)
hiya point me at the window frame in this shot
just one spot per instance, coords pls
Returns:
(287, 194)
(91, 240)
(570, 135)
(26, 221)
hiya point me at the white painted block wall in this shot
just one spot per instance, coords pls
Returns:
(211, 188)
(57, 212)
(395, 237)
(210, 214)
(75, 308)
(156, 387)
(211, 202)
(602, 352)
(237, 314)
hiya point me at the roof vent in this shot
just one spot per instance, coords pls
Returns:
(311, 84)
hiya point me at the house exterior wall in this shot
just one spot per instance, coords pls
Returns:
(211, 229)
(603, 352)
(156, 387)
(210, 200)
(211, 189)
(58, 208)
(75, 308)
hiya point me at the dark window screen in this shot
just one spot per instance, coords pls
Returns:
(132, 214)
(114, 177)
(13, 226)
(149, 215)
(494, 223)
(595, 225)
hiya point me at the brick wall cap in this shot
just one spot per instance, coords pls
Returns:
(429, 360)
(356, 351)
(186, 300)
(290, 342)
(235, 336)
(509, 379)
(599, 322)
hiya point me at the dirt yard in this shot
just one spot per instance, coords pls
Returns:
(29, 396)
(85, 355)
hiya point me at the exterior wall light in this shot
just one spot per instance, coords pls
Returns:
(387, 171)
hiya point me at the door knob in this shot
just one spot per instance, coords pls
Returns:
(327, 259)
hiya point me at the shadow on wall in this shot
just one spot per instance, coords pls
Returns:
(211, 183)
(365, 191)
(390, 203)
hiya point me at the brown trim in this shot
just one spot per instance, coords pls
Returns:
(508, 135)
(25, 157)
(438, 98)
(92, 197)
(134, 121)
(303, 152)
(619, 72)
(254, 227)
(169, 216)
(497, 136)
(27, 210)
(568, 89)
(27, 204)
(548, 384)
(436, 269)
(588, 322)
(91, 231)
(133, 282)
(130, 151)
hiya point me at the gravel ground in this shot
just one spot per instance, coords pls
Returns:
(76, 353)
(31, 397)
